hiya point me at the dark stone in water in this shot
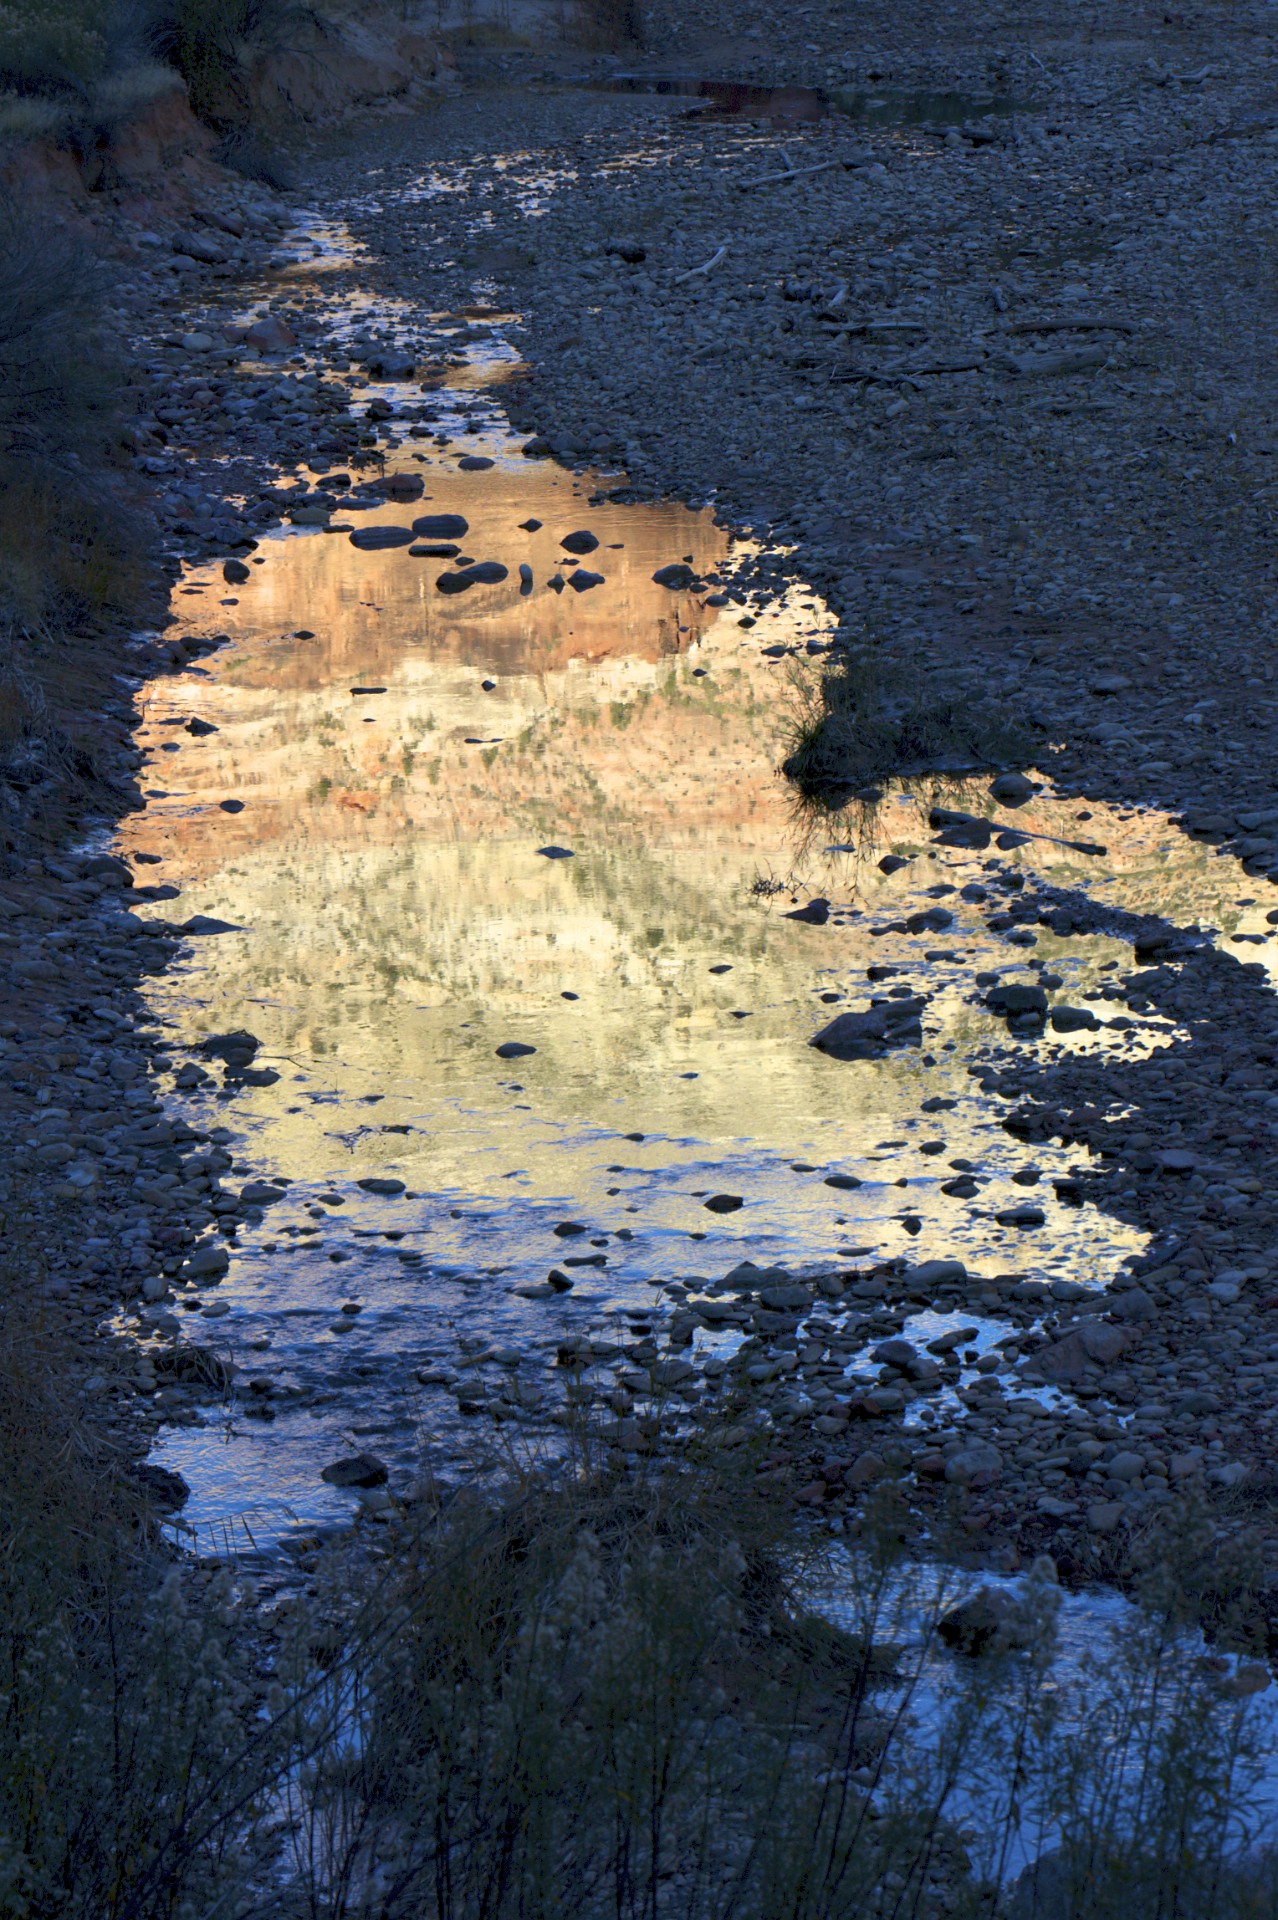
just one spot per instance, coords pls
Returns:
(1072, 1020)
(475, 463)
(358, 1470)
(513, 1050)
(845, 1182)
(484, 573)
(374, 539)
(231, 806)
(381, 1183)
(581, 580)
(556, 853)
(236, 573)
(815, 914)
(724, 1203)
(568, 1229)
(1024, 1216)
(864, 1036)
(1015, 998)
(368, 689)
(205, 923)
(403, 486)
(441, 526)
(200, 728)
(677, 576)
(434, 550)
(581, 542)
(236, 1048)
(530, 526)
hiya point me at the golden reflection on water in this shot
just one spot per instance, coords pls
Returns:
(399, 922)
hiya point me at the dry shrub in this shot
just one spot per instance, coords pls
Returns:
(206, 41)
(53, 46)
(607, 25)
(858, 720)
(59, 379)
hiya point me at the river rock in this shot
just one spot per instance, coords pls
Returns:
(258, 1193)
(206, 1263)
(977, 1464)
(988, 1619)
(1072, 1020)
(356, 1470)
(441, 526)
(271, 336)
(1013, 997)
(864, 1036)
(1013, 789)
(376, 539)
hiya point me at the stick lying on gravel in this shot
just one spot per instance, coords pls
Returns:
(792, 173)
(705, 266)
(1078, 323)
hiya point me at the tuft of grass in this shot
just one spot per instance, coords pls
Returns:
(857, 721)
(72, 557)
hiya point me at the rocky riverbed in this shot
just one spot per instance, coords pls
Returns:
(989, 388)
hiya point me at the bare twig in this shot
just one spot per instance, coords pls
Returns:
(791, 173)
(705, 266)
(1076, 323)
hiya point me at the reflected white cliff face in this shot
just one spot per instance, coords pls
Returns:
(397, 759)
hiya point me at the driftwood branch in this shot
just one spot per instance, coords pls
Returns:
(790, 173)
(705, 266)
(1067, 323)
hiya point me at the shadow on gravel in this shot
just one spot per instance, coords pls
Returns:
(857, 721)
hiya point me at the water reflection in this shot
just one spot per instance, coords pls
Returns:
(400, 758)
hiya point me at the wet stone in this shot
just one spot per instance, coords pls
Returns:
(376, 539)
(356, 1470)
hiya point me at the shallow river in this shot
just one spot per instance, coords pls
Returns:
(397, 761)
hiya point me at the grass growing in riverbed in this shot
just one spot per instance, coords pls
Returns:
(857, 720)
(70, 553)
(597, 1696)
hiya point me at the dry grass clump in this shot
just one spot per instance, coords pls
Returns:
(858, 721)
(71, 555)
(51, 47)
(205, 40)
(74, 70)
(607, 26)
(604, 1695)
